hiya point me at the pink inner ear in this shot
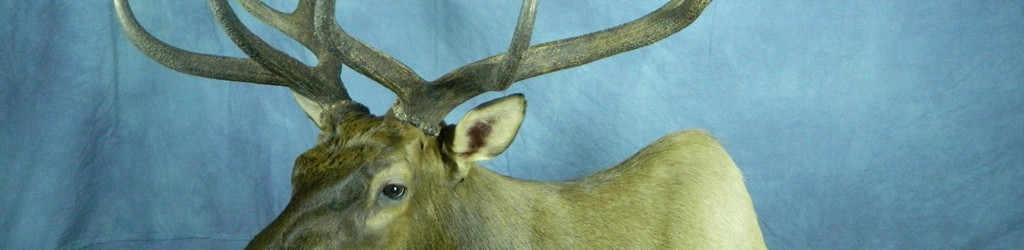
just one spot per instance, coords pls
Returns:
(477, 133)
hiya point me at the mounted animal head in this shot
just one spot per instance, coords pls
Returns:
(373, 181)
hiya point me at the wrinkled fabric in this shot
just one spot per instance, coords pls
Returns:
(858, 125)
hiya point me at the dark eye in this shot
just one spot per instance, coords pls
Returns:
(393, 191)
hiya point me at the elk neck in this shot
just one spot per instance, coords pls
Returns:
(488, 205)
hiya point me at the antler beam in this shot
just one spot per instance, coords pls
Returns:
(266, 65)
(428, 107)
(192, 63)
(363, 58)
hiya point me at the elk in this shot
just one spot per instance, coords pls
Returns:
(407, 179)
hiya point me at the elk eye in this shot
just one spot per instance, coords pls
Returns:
(393, 191)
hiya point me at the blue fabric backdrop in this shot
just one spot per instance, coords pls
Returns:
(858, 124)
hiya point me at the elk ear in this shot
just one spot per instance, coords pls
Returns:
(488, 129)
(312, 109)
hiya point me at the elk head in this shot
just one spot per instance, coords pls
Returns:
(386, 181)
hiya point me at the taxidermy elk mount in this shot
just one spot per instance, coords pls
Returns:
(408, 180)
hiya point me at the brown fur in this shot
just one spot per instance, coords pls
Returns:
(681, 192)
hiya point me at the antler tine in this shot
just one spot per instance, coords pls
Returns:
(266, 65)
(468, 81)
(363, 58)
(520, 42)
(425, 107)
(297, 24)
(192, 63)
(575, 51)
(323, 86)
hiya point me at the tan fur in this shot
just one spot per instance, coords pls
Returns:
(681, 192)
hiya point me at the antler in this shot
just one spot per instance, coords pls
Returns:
(265, 65)
(426, 106)
(421, 103)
